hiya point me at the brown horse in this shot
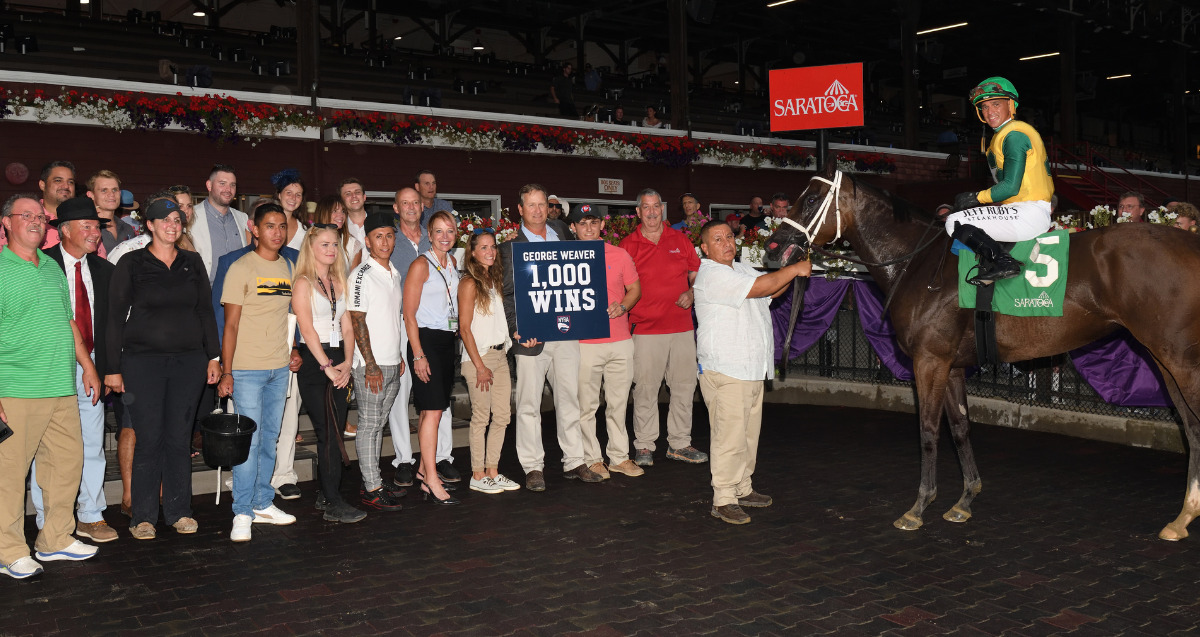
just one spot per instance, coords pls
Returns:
(1119, 276)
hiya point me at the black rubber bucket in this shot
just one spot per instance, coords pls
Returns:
(226, 439)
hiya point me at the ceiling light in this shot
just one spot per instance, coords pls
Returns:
(199, 14)
(948, 26)
(1035, 57)
(776, 4)
(1117, 77)
(398, 37)
(478, 46)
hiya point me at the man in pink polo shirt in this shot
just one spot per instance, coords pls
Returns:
(607, 359)
(663, 334)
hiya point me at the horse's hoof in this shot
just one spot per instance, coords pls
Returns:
(1171, 533)
(908, 522)
(956, 514)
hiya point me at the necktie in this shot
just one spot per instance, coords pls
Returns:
(83, 309)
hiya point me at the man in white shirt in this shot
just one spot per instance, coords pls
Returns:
(354, 200)
(733, 298)
(375, 295)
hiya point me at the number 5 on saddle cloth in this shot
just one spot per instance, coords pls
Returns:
(1039, 291)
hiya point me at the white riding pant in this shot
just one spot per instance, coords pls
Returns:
(1017, 221)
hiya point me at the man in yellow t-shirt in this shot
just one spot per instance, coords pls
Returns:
(1017, 208)
(254, 360)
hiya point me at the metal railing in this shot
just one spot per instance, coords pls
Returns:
(844, 353)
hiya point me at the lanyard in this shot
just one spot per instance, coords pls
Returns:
(449, 296)
(332, 308)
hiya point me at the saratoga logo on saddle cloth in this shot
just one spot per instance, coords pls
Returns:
(1040, 289)
(816, 97)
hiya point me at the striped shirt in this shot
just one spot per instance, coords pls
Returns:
(37, 348)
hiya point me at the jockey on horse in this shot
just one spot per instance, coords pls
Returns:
(1017, 208)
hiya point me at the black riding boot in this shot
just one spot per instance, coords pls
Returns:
(994, 262)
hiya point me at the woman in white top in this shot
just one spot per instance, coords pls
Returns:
(651, 120)
(289, 190)
(319, 303)
(331, 212)
(484, 331)
(431, 321)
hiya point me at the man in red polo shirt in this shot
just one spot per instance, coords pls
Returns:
(663, 334)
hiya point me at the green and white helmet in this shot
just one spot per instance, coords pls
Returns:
(993, 88)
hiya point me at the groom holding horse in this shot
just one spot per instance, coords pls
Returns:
(1018, 206)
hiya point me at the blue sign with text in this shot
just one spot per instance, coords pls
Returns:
(560, 290)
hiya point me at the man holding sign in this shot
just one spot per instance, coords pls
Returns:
(537, 360)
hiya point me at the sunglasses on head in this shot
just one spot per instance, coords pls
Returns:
(325, 226)
(483, 230)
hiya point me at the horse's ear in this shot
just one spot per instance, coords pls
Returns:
(830, 165)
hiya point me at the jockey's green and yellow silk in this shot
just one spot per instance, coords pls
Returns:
(1017, 159)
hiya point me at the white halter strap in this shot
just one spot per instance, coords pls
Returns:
(831, 196)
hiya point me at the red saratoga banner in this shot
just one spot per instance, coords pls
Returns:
(816, 97)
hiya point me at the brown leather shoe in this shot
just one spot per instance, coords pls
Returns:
(582, 473)
(731, 513)
(755, 499)
(599, 470)
(628, 468)
(96, 531)
(535, 481)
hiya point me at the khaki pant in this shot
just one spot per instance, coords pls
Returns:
(611, 363)
(47, 429)
(285, 447)
(493, 404)
(735, 417)
(659, 357)
(558, 363)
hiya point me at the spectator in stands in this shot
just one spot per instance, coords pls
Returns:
(331, 212)
(289, 190)
(780, 205)
(689, 205)
(58, 185)
(619, 116)
(104, 188)
(319, 303)
(354, 200)
(412, 240)
(255, 358)
(37, 388)
(733, 298)
(557, 208)
(591, 78)
(651, 119)
(663, 337)
(88, 277)
(219, 228)
(484, 332)
(608, 360)
(375, 298)
(557, 361)
(753, 217)
(560, 92)
(1187, 217)
(426, 186)
(431, 323)
(163, 347)
(1132, 203)
(734, 222)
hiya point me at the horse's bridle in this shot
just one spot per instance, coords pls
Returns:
(832, 197)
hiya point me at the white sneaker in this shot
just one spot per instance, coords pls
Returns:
(22, 568)
(241, 528)
(77, 551)
(485, 485)
(273, 515)
(505, 484)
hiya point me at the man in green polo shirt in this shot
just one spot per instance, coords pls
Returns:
(39, 347)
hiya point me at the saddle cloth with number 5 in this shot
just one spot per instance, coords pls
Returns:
(1040, 289)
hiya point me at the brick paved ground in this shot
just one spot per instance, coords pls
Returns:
(1063, 540)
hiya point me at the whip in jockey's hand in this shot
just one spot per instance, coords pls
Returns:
(1017, 208)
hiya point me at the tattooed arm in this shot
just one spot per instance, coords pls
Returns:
(362, 337)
